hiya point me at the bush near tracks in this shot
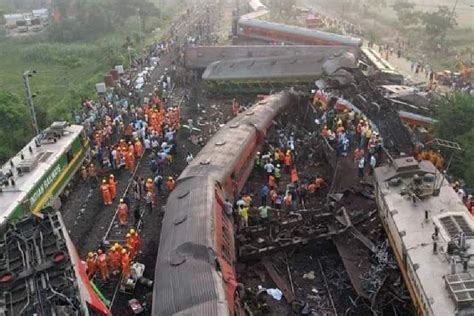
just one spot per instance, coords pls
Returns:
(13, 122)
(455, 122)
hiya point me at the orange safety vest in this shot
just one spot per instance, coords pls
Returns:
(170, 184)
(126, 265)
(91, 265)
(113, 188)
(115, 260)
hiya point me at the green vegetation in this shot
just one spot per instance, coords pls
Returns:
(455, 116)
(70, 57)
(13, 122)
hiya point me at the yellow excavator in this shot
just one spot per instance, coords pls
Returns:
(464, 71)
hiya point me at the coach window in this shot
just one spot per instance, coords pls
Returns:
(69, 155)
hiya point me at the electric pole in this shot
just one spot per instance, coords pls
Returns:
(29, 97)
(139, 24)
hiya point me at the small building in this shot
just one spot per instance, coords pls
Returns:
(11, 19)
(41, 13)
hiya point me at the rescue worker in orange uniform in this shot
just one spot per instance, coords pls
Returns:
(106, 197)
(131, 148)
(118, 247)
(131, 246)
(112, 187)
(91, 264)
(102, 265)
(130, 161)
(125, 263)
(122, 212)
(170, 184)
(272, 182)
(135, 240)
(115, 258)
(138, 148)
(288, 161)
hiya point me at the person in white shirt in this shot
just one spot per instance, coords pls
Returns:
(269, 167)
(372, 163)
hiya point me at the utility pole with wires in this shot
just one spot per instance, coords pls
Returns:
(29, 97)
(454, 9)
(139, 24)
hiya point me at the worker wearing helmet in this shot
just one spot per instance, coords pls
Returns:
(106, 197)
(170, 184)
(115, 257)
(91, 264)
(102, 265)
(125, 263)
(112, 187)
(130, 161)
(122, 212)
(118, 247)
(131, 245)
(136, 241)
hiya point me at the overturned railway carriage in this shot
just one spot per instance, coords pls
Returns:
(41, 170)
(41, 272)
(195, 272)
(431, 233)
(199, 57)
(275, 32)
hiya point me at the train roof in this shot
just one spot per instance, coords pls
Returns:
(268, 68)
(202, 56)
(433, 272)
(256, 5)
(296, 30)
(187, 280)
(375, 58)
(225, 147)
(40, 270)
(35, 165)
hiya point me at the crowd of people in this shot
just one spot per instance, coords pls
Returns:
(151, 131)
(124, 125)
(347, 131)
(117, 259)
(282, 189)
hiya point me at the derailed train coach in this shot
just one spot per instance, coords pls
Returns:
(195, 271)
(275, 32)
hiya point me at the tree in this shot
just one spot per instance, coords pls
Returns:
(146, 11)
(406, 13)
(373, 4)
(438, 23)
(455, 116)
(14, 126)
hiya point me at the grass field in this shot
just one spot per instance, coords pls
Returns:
(65, 72)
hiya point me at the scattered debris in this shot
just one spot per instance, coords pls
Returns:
(310, 275)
